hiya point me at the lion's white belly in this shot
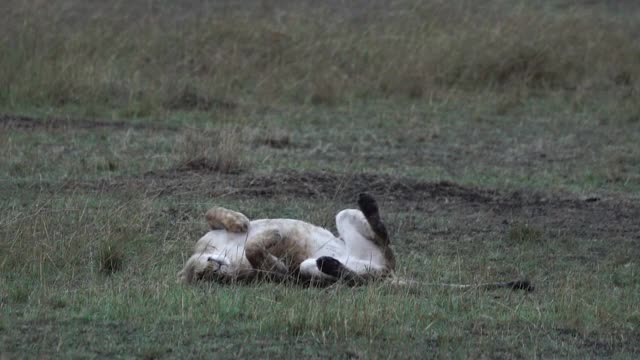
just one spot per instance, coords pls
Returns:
(359, 256)
(318, 241)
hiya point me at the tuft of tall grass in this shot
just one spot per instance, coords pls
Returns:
(110, 257)
(74, 236)
(520, 232)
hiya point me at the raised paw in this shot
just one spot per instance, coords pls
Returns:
(237, 223)
(367, 204)
(369, 208)
(232, 221)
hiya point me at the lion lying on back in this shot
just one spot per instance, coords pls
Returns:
(236, 249)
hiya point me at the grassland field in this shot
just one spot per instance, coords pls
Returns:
(501, 139)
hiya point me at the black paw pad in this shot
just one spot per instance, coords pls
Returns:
(367, 204)
(329, 266)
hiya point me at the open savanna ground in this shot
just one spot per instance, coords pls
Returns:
(501, 141)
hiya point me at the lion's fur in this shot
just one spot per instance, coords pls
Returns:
(237, 249)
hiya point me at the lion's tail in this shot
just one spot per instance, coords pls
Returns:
(525, 285)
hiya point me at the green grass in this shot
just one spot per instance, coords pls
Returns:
(499, 139)
(53, 280)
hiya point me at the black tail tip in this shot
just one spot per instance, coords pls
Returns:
(525, 285)
(367, 204)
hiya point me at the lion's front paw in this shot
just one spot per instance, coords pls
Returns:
(330, 266)
(220, 218)
(237, 223)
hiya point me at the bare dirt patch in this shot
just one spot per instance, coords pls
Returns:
(202, 163)
(469, 209)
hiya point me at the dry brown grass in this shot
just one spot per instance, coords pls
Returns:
(110, 258)
(166, 56)
(524, 233)
(221, 149)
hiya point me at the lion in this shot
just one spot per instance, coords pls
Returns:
(239, 250)
(236, 249)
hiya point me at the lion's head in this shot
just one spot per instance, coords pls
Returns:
(202, 267)
(220, 264)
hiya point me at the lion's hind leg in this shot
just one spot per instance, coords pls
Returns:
(220, 218)
(369, 208)
(261, 259)
(364, 233)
